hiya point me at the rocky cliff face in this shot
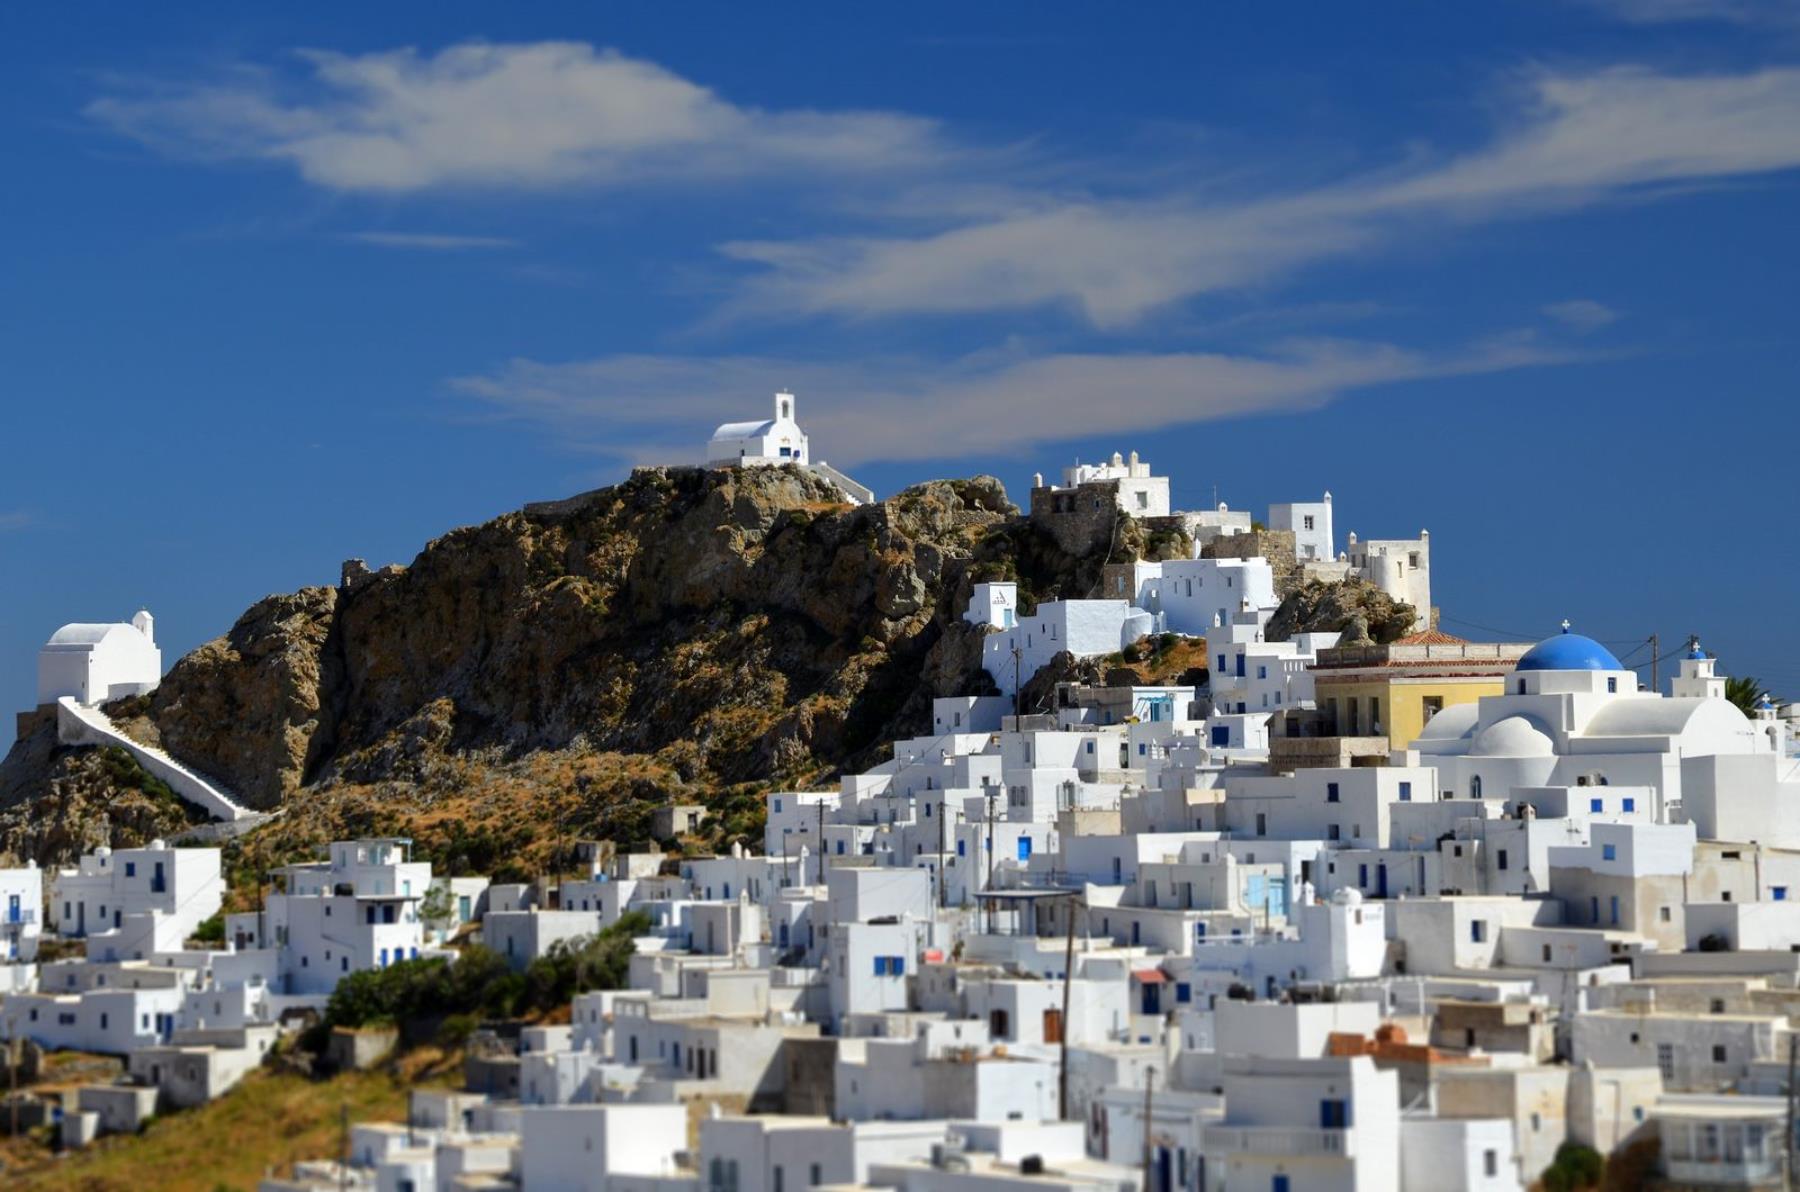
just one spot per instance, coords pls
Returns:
(688, 629)
(554, 673)
(745, 613)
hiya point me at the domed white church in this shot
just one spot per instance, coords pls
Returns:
(1572, 715)
(92, 663)
(771, 442)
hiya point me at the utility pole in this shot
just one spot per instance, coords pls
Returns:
(943, 814)
(821, 807)
(1018, 692)
(1655, 657)
(1787, 1149)
(1062, 1076)
(1149, 1152)
(990, 859)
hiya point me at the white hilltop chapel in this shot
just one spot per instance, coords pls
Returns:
(775, 441)
(92, 663)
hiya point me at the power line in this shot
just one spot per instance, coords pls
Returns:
(1513, 634)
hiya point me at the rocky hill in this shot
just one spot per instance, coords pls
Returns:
(556, 673)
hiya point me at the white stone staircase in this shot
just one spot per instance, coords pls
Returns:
(80, 725)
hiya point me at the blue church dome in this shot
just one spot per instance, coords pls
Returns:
(1569, 652)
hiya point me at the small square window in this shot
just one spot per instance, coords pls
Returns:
(1628, 803)
(1718, 1053)
(1596, 805)
(1609, 852)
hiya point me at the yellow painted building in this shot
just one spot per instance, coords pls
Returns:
(1393, 690)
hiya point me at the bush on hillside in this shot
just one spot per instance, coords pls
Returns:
(480, 983)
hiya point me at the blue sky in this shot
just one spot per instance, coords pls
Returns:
(286, 287)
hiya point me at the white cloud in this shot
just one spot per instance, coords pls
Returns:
(953, 229)
(15, 520)
(1579, 139)
(482, 116)
(1735, 12)
(660, 409)
(1582, 314)
(431, 241)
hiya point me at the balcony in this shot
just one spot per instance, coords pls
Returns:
(1295, 1142)
(1726, 1173)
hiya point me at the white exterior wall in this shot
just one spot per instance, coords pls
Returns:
(1400, 567)
(1197, 596)
(1272, 1125)
(994, 604)
(182, 884)
(1084, 628)
(1310, 522)
(94, 663)
(750, 444)
(21, 914)
(1458, 1155)
(107, 1021)
(579, 1147)
(525, 936)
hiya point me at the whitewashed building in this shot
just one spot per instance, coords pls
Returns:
(21, 915)
(776, 440)
(137, 901)
(93, 663)
(359, 909)
(1310, 523)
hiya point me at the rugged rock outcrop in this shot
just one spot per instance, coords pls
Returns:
(551, 674)
(1356, 608)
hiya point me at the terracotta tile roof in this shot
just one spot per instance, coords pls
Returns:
(1431, 637)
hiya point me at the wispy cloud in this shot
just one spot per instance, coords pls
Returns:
(483, 116)
(1575, 140)
(431, 241)
(956, 228)
(15, 520)
(1582, 314)
(661, 408)
(1669, 12)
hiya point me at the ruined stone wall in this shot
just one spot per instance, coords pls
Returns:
(1277, 546)
(1080, 519)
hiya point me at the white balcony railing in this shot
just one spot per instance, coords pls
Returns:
(1724, 1172)
(1279, 1140)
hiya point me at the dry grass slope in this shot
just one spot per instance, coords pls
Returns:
(268, 1122)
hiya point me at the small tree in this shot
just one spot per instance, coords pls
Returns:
(436, 910)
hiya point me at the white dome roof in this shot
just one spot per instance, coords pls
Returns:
(85, 634)
(1513, 737)
(1453, 723)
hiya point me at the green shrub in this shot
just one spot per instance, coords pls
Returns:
(211, 931)
(1576, 1167)
(479, 983)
